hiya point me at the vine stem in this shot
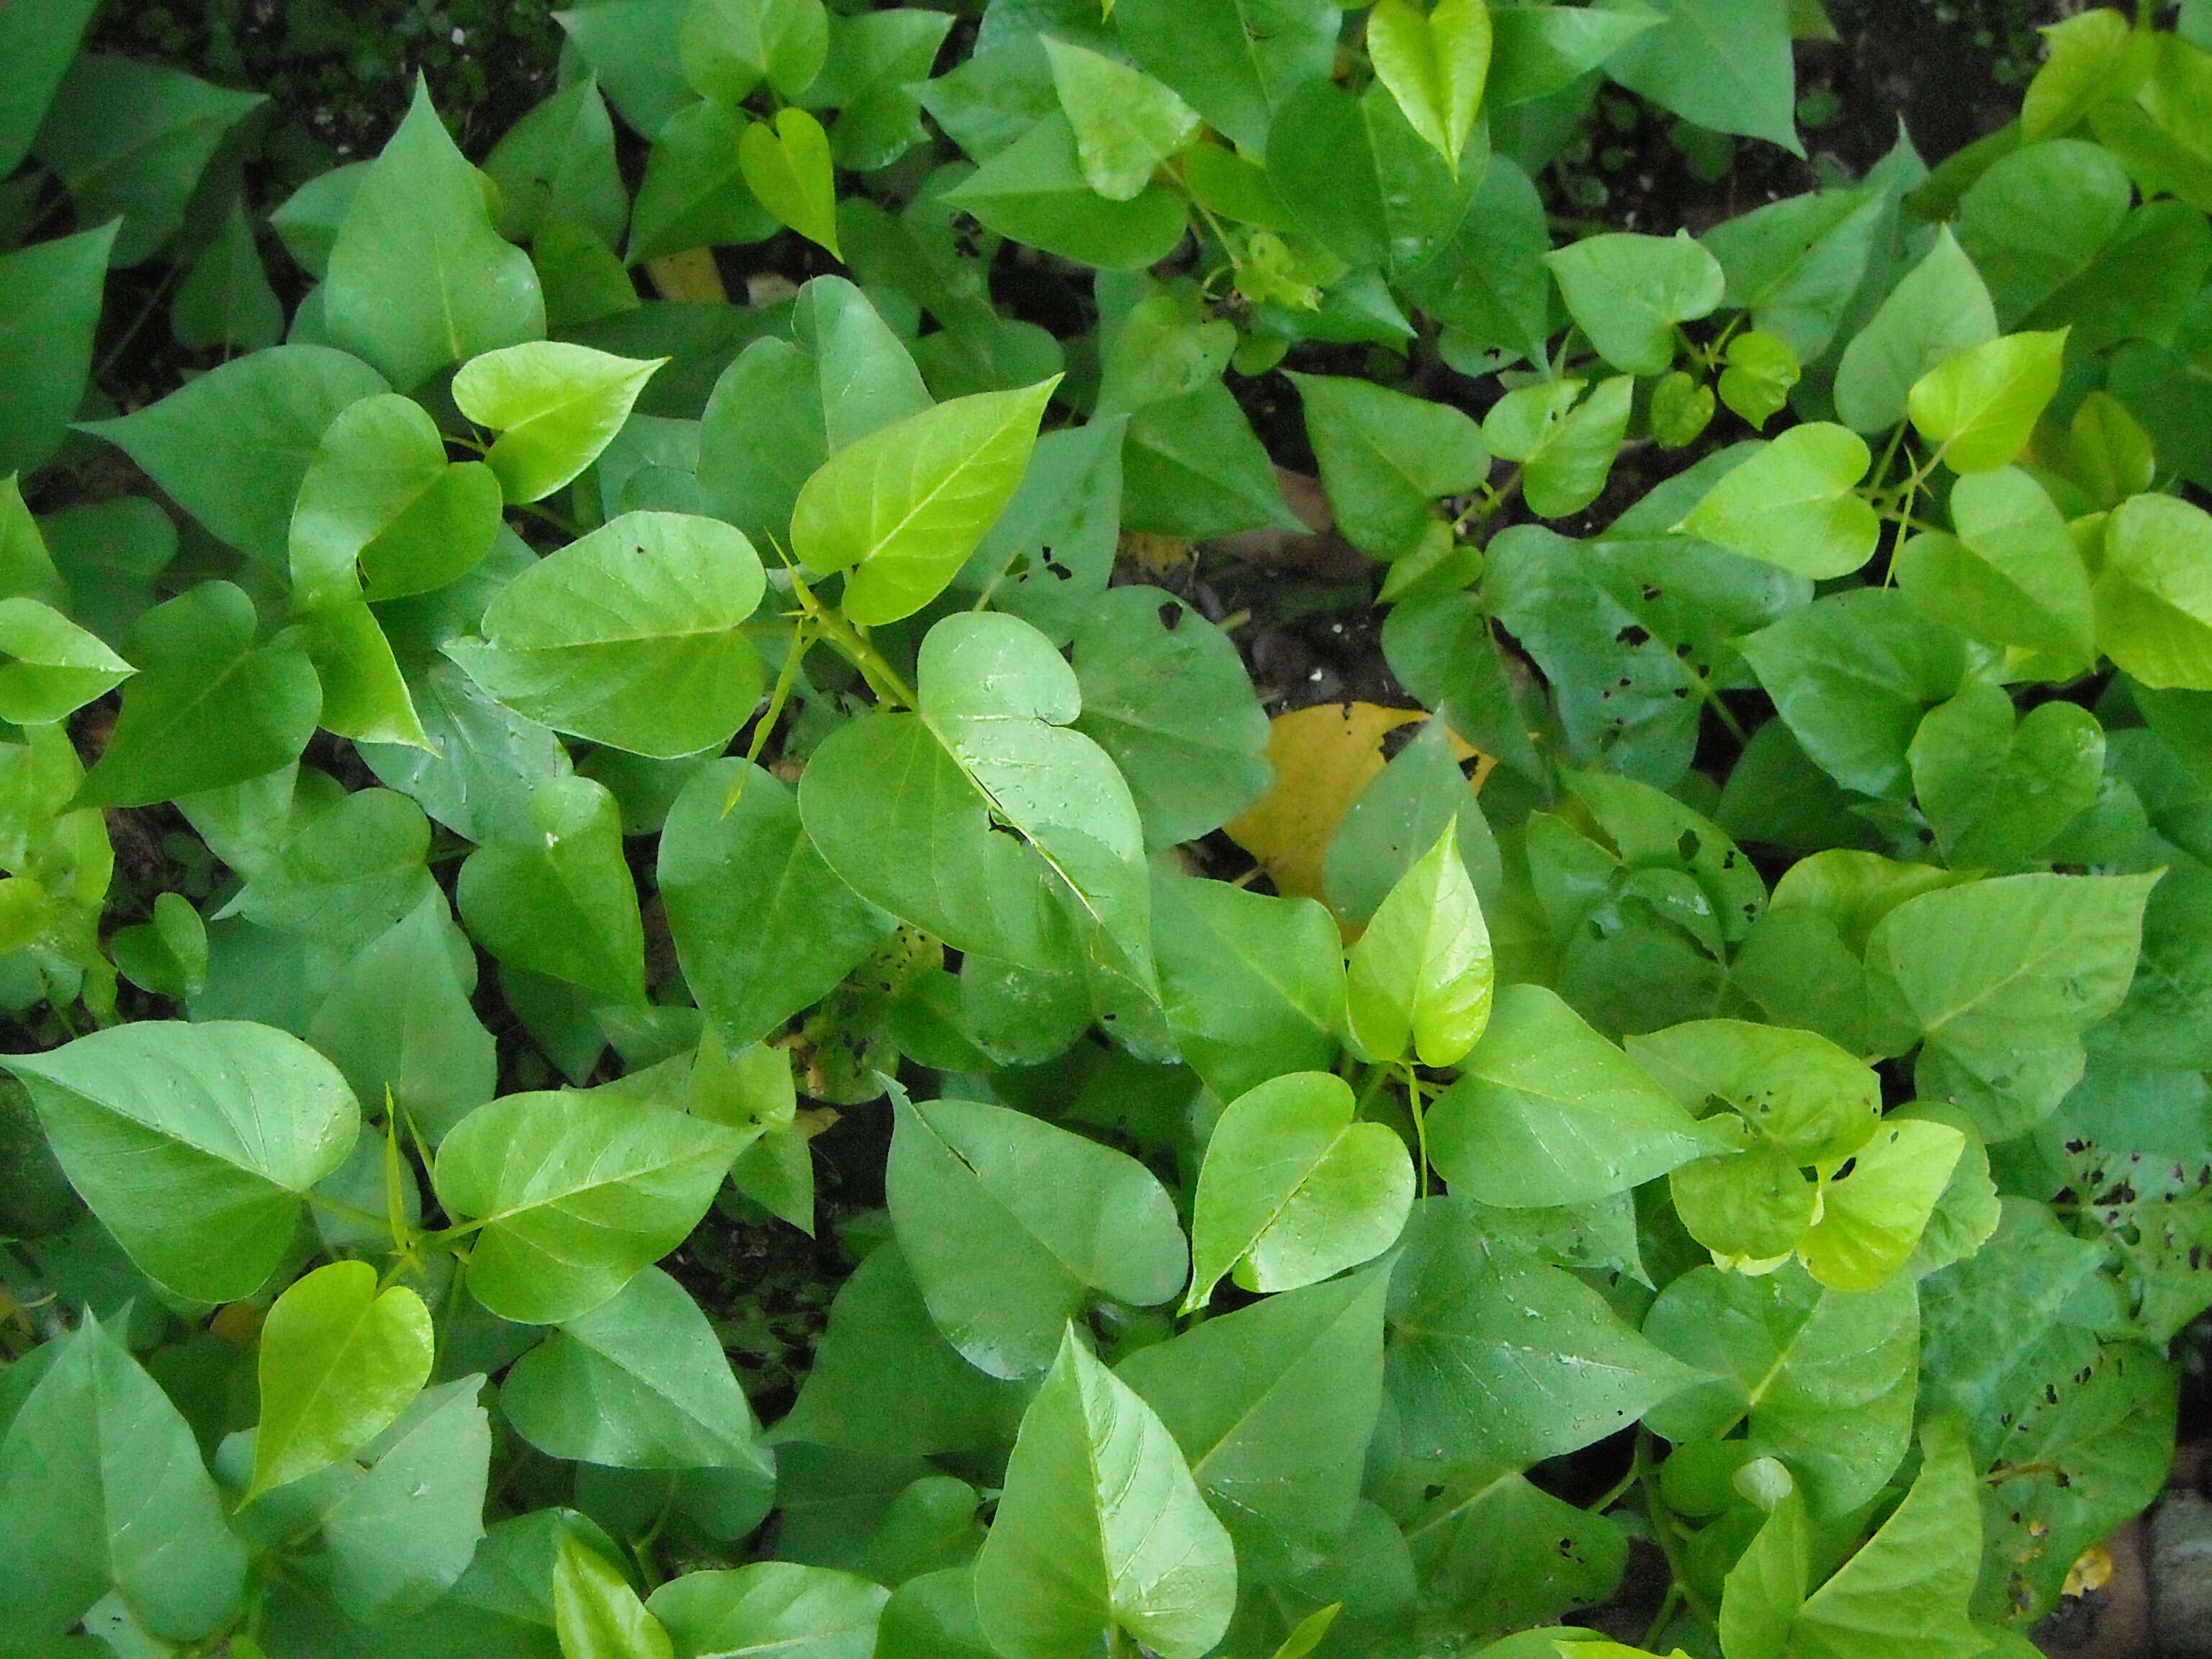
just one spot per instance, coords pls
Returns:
(1679, 1592)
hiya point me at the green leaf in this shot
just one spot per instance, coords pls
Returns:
(1761, 369)
(694, 193)
(339, 1362)
(2001, 978)
(1996, 792)
(106, 1492)
(632, 635)
(903, 507)
(1568, 468)
(1797, 265)
(1010, 1224)
(40, 42)
(225, 302)
(419, 277)
(1238, 63)
(1793, 504)
(344, 875)
(1421, 974)
(1436, 64)
(2011, 577)
(786, 167)
(1293, 1190)
(1166, 697)
(1719, 63)
(761, 925)
(571, 1195)
(1980, 405)
(234, 447)
(728, 47)
(554, 406)
(1387, 458)
(50, 301)
(1356, 175)
(1628, 292)
(2153, 602)
(2086, 57)
(1497, 1361)
(1748, 1208)
(1798, 1089)
(1499, 1553)
(1764, 1589)
(1100, 1527)
(639, 1384)
(52, 667)
(1546, 1111)
(129, 142)
(1906, 1591)
(1273, 1406)
(989, 745)
(193, 1144)
(596, 1613)
(771, 1608)
(875, 57)
(2037, 218)
(562, 904)
(1873, 1211)
(1125, 122)
(557, 165)
(1541, 50)
(1253, 985)
(1036, 191)
(1825, 1376)
(1939, 309)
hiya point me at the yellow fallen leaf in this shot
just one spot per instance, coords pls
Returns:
(692, 275)
(2092, 1572)
(1323, 756)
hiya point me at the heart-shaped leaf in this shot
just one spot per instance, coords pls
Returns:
(1792, 504)
(1436, 64)
(787, 167)
(52, 667)
(555, 406)
(2011, 577)
(1980, 405)
(1125, 122)
(339, 1362)
(1293, 1189)
(1994, 790)
(1421, 974)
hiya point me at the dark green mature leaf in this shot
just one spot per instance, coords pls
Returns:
(50, 301)
(2036, 220)
(104, 1491)
(1796, 264)
(1940, 308)
(556, 164)
(640, 1383)
(763, 927)
(1498, 1554)
(1035, 191)
(419, 277)
(1253, 985)
(1387, 458)
(1010, 1224)
(1274, 1405)
(1101, 1527)
(1722, 65)
(771, 1607)
(1496, 1360)
(563, 903)
(573, 1195)
(1355, 174)
(232, 446)
(194, 1143)
(39, 42)
(1236, 63)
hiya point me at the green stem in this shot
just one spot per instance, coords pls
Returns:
(1420, 1124)
(848, 642)
(785, 677)
(347, 1212)
(1663, 1531)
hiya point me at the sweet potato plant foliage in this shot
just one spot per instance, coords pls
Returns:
(495, 767)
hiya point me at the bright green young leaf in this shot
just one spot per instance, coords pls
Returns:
(728, 47)
(631, 636)
(1125, 122)
(1293, 1190)
(1419, 978)
(1010, 1223)
(902, 508)
(1761, 369)
(1568, 470)
(1547, 1112)
(419, 277)
(1497, 1361)
(1273, 1406)
(1387, 458)
(1763, 1591)
(1747, 1208)
(2011, 577)
(194, 1143)
(106, 1492)
(1874, 1209)
(1825, 1377)
(554, 406)
(1796, 1088)
(339, 1362)
(596, 1613)
(1436, 64)
(1628, 292)
(1100, 1527)
(1939, 309)
(2001, 978)
(777, 1608)
(761, 925)
(786, 167)
(1980, 405)
(1792, 504)
(571, 1195)
(639, 1384)
(562, 904)
(52, 668)
(2089, 57)
(232, 446)
(2154, 595)
(1994, 791)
